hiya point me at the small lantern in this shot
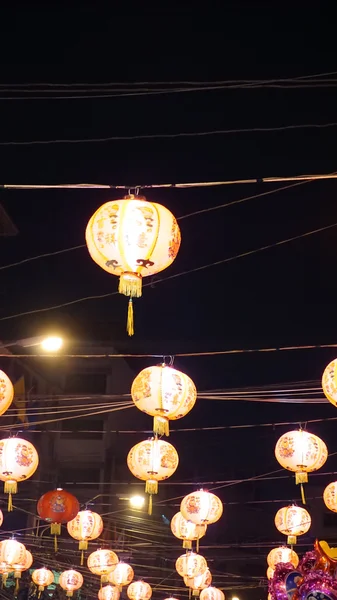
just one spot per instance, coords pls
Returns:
(23, 566)
(121, 575)
(86, 526)
(12, 554)
(152, 460)
(6, 392)
(57, 507)
(18, 461)
(71, 581)
(139, 590)
(212, 593)
(109, 592)
(201, 507)
(329, 382)
(187, 531)
(42, 578)
(196, 584)
(330, 496)
(292, 521)
(191, 564)
(164, 393)
(282, 554)
(102, 562)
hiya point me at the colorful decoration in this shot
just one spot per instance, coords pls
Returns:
(86, 526)
(57, 507)
(302, 453)
(164, 393)
(196, 584)
(42, 578)
(6, 392)
(132, 238)
(329, 382)
(201, 507)
(18, 461)
(152, 460)
(282, 554)
(292, 521)
(109, 592)
(270, 572)
(71, 581)
(191, 564)
(330, 496)
(102, 562)
(121, 575)
(187, 531)
(283, 585)
(139, 590)
(212, 593)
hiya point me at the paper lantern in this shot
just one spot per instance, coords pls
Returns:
(6, 392)
(152, 460)
(12, 554)
(132, 238)
(109, 592)
(102, 562)
(301, 452)
(121, 575)
(201, 507)
(86, 526)
(270, 573)
(1, 517)
(330, 496)
(23, 566)
(164, 393)
(282, 554)
(139, 590)
(57, 507)
(196, 584)
(191, 564)
(212, 593)
(18, 461)
(329, 382)
(71, 581)
(292, 521)
(42, 578)
(186, 530)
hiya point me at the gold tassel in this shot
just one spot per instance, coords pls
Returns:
(130, 284)
(302, 494)
(82, 558)
(197, 545)
(10, 502)
(187, 544)
(4, 579)
(291, 540)
(151, 487)
(195, 593)
(11, 487)
(130, 320)
(150, 505)
(301, 477)
(17, 585)
(83, 545)
(161, 425)
(55, 544)
(55, 529)
(69, 594)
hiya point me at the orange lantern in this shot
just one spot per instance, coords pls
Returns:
(282, 554)
(187, 531)
(139, 590)
(132, 238)
(71, 581)
(212, 593)
(201, 507)
(270, 573)
(152, 460)
(292, 521)
(18, 461)
(164, 393)
(329, 382)
(330, 496)
(57, 507)
(102, 562)
(86, 526)
(196, 584)
(6, 392)
(191, 564)
(109, 592)
(121, 575)
(42, 578)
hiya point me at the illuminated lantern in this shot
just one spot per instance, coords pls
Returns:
(1, 518)
(132, 238)
(330, 496)
(18, 461)
(71, 581)
(212, 593)
(329, 382)
(152, 460)
(42, 578)
(86, 526)
(164, 393)
(57, 507)
(282, 554)
(186, 530)
(139, 590)
(102, 562)
(201, 507)
(191, 564)
(12, 555)
(292, 521)
(270, 573)
(301, 452)
(109, 592)
(6, 392)
(196, 584)
(121, 575)
(24, 566)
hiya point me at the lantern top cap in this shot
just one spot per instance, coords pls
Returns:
(134, 197)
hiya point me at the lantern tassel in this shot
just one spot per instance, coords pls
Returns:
(303, 494)
(16, 589)
(150, 505)
(187, 544)
(10, 502)
(82, 558)
(197, 545)
(130, 284)
(161, 425)
(130, 320)
(10, 487)
(55, 544)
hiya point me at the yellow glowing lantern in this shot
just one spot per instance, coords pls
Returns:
(212, 593)
(121, 575)
(301, 452)
(270, 573)
(18, 461)
(139, 590)
(329, 382)
(164, 393)
(86, 526)
(282, 554)
(186, 530)
(330, 496)
(102, 562)
(152, 460)
(12, 554)
(132, 238)
(196, 584)
(70, 581)
(292, 521)
(191, 564)
(24, 566)
(1, 517)
(201, 507)
(6, 392)
(109, 592)
(42, 578)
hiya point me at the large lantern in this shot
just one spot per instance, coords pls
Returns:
(164, 393)
(330, 496)
(86, 526)
(42, 578)
(292, 521)
(139, 590)
(57, 507)
(301, 452)
(191, 564)
(18, 461)
(212, 593)
(186, 530)
(102, 562)
(71, 581)
(132, 238)
(12, 554)
(152, 460)
(6, 392)
(282, 554)
(121, 575)
(109, 592)
(329, 382)
(201, 507)
(196, 584)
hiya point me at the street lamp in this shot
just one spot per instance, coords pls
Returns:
(52, 344)
(48, 344)
(137, 502)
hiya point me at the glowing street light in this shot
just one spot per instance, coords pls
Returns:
(235, 598)
(52, 344)
(137, 502)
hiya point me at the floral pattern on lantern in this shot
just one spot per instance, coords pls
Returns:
(109, 592)
(282, 554)
(292, 521)
(329, 382)
(186, 530)
(71, 581)
(6, 392)
(212, 593)
(42, 578)
(164, 393)
(191, 564)
(201, 507)
(152, 460)
(102, 562)
(139, 590)
(330, 496)
(199, 583)
(121, 575)
(301, 452)
(18, 461)
(132, 238)
(86, 526)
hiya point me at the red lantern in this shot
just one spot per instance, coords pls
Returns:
(57, 507)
